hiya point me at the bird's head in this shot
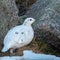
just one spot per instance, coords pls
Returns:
(29, 21)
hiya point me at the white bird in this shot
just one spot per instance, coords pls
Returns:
(19, 36)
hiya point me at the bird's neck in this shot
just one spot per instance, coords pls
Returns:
(26, 24)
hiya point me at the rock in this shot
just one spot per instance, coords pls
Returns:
(23, 6)
(47, 15)
(8, 16)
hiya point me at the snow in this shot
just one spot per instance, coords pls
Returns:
(10, 58)
(30, 55)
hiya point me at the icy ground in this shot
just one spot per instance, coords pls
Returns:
(30, 55)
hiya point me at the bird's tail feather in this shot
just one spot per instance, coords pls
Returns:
(4, 49)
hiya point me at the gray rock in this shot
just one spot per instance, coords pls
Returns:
(47, 15)
(8, 16)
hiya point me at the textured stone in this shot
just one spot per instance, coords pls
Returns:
(8, 16)
(47, 15)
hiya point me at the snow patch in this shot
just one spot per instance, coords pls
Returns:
(30, 55)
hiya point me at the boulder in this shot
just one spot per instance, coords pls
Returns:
(8, 17)
(47, 25)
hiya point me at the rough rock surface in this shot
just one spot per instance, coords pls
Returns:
(47, 15)
(8, 17)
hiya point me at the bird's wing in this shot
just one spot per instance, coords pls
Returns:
(12, 35)
(19, 34)
(15, 35)
(22, 36)
(26, 35)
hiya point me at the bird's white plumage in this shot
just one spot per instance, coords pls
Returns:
(19, 36)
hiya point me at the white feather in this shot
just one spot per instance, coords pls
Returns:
(19, 36)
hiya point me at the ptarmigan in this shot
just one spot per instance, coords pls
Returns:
(19, 36)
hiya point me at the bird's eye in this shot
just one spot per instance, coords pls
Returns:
(16, 32)
(30, 19)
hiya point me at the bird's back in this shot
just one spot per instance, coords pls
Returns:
(17, 34)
